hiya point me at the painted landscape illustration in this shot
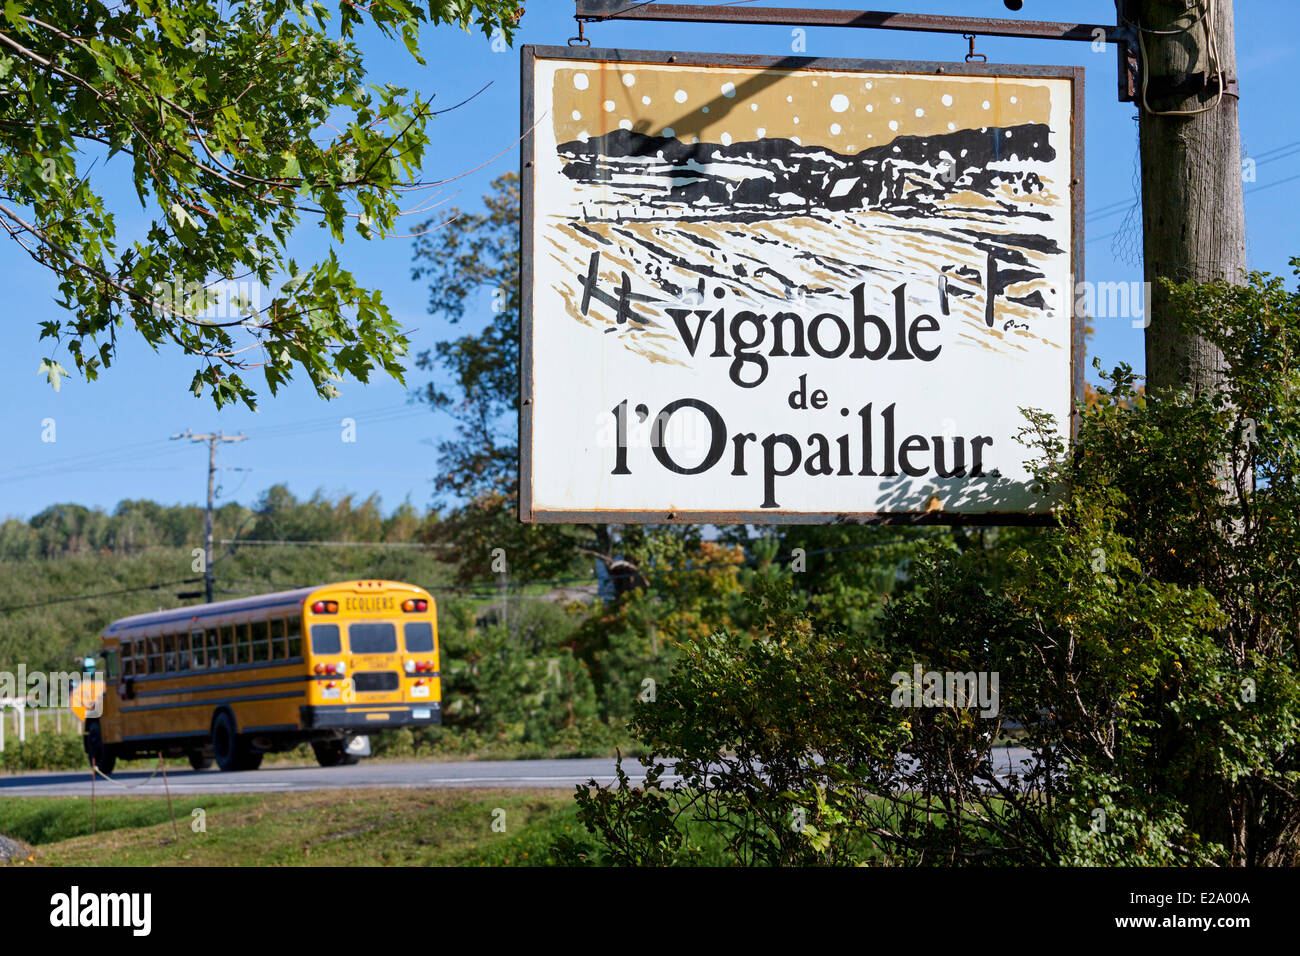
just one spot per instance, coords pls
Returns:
(966, 189)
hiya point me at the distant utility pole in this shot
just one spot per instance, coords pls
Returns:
(1193, 213)
(212, 440)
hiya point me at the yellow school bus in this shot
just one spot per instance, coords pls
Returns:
(234, 680)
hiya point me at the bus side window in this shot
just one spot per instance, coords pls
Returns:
(110, 665)
(182, 652)
(325, 639)
(214, 647)
(128, 660)
(260, 645)
(196, 648)
(227, 645)
(169, 652)
(241, 643)
(155, 655)
(294, 626)
(276, 625)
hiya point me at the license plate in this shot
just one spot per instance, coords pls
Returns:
(420, 691)
(421, 713)
(329, 693)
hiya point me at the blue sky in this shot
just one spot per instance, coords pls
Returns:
(112, 434)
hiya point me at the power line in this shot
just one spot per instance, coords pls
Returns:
(87, 597)
(328, 544)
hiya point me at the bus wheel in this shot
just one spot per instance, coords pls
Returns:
(199, 760)
(96, 750)
(251, 760)
(230, 752)
(330, 753)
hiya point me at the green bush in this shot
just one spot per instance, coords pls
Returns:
(1147, 643)
(44, 751)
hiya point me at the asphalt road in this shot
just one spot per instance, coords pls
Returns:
(538, 774)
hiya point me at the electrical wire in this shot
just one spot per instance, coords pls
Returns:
(1212, 41)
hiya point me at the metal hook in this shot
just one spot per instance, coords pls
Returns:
(580, 39)
(972, 55)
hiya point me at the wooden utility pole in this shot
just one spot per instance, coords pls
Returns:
(1193, 217)
(211, 439)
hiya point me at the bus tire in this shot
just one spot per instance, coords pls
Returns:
(330, 753)
(251, 760)
(230, 751)
(100, 754)
(199, 760)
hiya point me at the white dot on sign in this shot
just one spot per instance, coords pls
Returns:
(897, 100)
(704, 109)
(728, 90)
(952, 125)
(986, 104)
(629, 79)
(624, 124)
(814, 82)
(789, 99)
(645, 101)
(920, 112)
(868, 84)
(835, 129)
(1014, 100)
(796, 121)
(754, 107)
(762, 132)
(947, 99)
(680, 96)
(893, 125)
(580, 81)
(870, 108)
(583, 136)
(577, 115)
(609, 106)
(669, 132)
(1008, 134)
(839, 102)
(726, 139)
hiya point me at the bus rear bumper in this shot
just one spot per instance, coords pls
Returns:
(376, 717)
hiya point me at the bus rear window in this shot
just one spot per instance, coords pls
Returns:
(372, 637)
(325, 639)
(419, 637)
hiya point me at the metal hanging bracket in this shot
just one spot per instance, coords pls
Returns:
(1121, 33)
(972, 56)
(581, 38)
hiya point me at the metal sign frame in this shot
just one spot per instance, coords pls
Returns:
(530, 53)
(1123, 34)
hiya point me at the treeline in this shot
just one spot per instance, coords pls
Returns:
(546, 656)
(134, 526)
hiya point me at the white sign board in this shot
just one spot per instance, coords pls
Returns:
(796, 290)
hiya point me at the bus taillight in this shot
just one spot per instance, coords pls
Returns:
(415, 604)
(325, 607)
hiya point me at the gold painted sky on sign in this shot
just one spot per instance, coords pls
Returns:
(846, 112)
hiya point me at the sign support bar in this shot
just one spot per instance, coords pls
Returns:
(1123, 34)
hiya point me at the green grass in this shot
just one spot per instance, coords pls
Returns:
(322, 828)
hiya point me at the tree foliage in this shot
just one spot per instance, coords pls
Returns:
(1147, 651)
(233, 123)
